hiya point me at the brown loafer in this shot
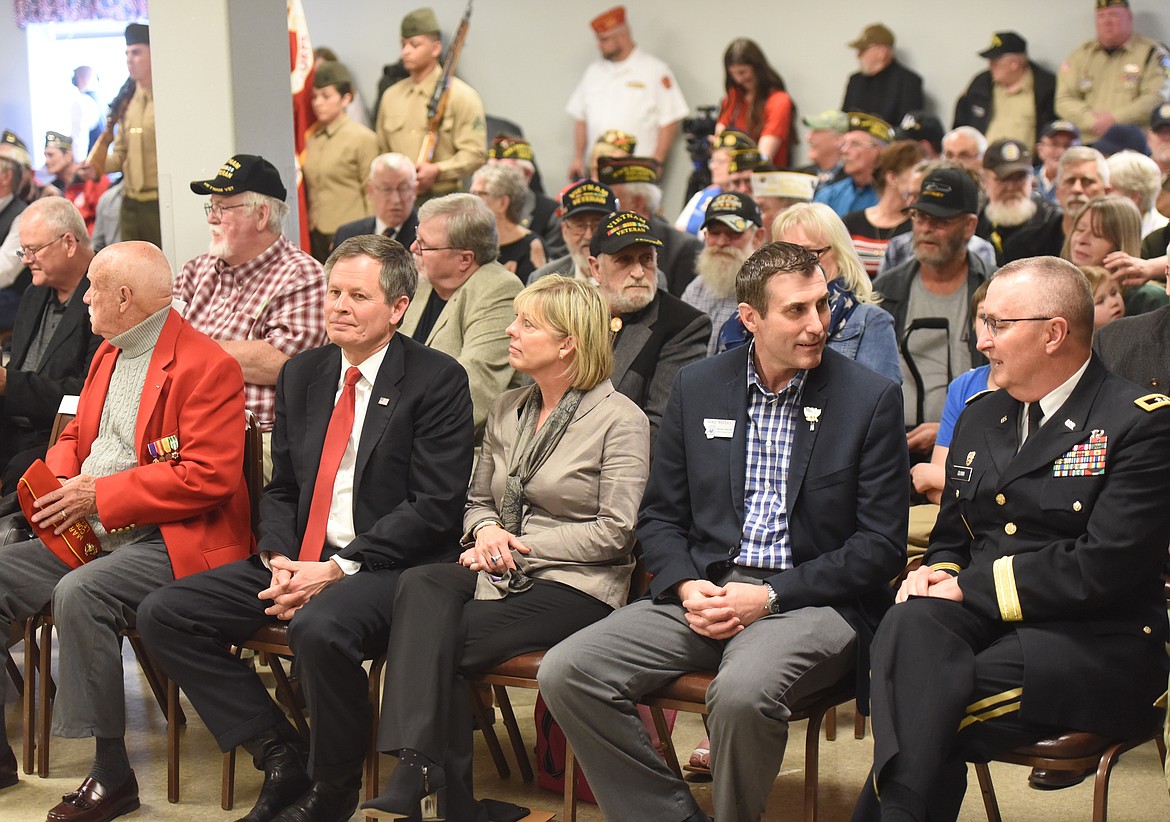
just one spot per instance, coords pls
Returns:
(93, 803)
(1050, 780)
(9, 775)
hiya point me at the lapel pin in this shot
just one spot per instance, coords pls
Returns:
(1070, 425)
(970, 458)
(383, 400)
(1003, 419)
(812, 416)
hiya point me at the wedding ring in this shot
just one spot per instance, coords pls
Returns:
(495, 559)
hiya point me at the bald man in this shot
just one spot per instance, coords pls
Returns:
(153, 463)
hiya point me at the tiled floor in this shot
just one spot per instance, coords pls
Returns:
(1138, 791)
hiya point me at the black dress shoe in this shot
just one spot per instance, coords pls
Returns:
(9, 775)
(1045, 780)
(417, 790)
(321, 803)
(93, 803)
(284, 781)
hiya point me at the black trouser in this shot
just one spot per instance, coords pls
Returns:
(440, 634)
(945, 689)
(189, 625)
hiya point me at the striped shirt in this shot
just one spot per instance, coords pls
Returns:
(277, 296)
(771, 423)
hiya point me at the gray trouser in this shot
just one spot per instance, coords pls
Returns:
(91, 604)
(593, 679)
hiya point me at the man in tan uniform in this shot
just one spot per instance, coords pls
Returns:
(402, 121)
(134, 153)
(1118, 78)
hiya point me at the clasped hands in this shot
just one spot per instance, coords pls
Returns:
(721, 611)
(294, 583)
(492, 551)
(925, 582)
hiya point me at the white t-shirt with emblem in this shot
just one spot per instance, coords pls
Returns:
(639, 95)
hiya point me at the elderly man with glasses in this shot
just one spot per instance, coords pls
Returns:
(253, 292)
(929, 297)
(392, 187)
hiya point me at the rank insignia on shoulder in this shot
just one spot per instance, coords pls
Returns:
(976, 396)
(1152, 402)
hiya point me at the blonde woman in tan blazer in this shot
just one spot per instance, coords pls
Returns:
(549, 532)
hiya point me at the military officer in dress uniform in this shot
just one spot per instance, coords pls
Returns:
(402, 118)
(1039, 605)
(1118, 78)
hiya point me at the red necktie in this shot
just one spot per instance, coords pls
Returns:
(336, 439)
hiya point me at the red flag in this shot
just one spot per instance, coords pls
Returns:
(301, 64)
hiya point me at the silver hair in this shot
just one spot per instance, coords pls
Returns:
(470, 224)
(504, 181)
(1135, 173)
(394, 161)
(1083, 154)
(277, 209)
(968, 131)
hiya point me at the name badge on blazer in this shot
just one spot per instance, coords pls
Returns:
(960, 473)
(724, 429)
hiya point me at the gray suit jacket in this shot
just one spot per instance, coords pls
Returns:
(582, 504)
(1138, 348)
(471, 329)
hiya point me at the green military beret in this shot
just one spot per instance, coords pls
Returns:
(420, 21)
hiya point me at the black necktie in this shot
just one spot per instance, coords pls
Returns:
(390, 232)
(1035, 415)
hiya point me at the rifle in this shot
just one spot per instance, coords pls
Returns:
(438, 104)
(97, 155)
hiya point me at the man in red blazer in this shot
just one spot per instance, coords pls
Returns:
(153, 462)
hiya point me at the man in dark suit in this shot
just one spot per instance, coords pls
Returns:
(1010, 73)
(52, 344)
(1039, 605)
(774, 517)
(392, 187)
(655, 333)
(352, 503)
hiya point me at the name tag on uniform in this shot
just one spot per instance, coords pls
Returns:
(723, 429)
(961, 473)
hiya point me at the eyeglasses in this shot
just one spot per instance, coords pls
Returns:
(923, 218)
(859, 144)
(403, 191)
(422, 249)
(994, 326)
(579, 225)
(216, 210)
(31, 253)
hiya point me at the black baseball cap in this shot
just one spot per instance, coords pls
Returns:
(1007, 157)
(738, 212)
(1121, 137)
(616, 171)
(947, 192)
(921, 125)
(1062, 127)
(587, 195)
(1005, 42)
(244, 172)
(1160, 117)
(617, 231)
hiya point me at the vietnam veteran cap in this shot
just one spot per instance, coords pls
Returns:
(609, 20)
(55, 139)
(738, 212)
(1005, 42)
(587, 195)
(244, 172)
(138, 34)
(791, 185)
(621, 140)
(619, 230)
(331, 73)
(873, 35)
(509, 147)
(1007, 157)
(946, 192)
(420, 21)
(874, 126)
(616, 171)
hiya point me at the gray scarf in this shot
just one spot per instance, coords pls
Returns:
(531, 450)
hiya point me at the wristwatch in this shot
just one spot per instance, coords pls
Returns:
(772, 603)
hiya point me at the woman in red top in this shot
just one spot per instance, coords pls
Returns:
(757, 102)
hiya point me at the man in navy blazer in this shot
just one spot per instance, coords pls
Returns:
(392, 188)
(397, 501)
(773, 520)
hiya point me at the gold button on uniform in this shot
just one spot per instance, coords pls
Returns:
(1010, 528)
(1000, 499)
(1077, 505)
(1147, 630)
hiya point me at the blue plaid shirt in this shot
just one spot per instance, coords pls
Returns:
(772, 419)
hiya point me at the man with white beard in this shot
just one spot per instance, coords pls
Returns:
(253, 292)
(734, 229)
(1016, 223)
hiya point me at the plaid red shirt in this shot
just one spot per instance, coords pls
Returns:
(277, 297)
